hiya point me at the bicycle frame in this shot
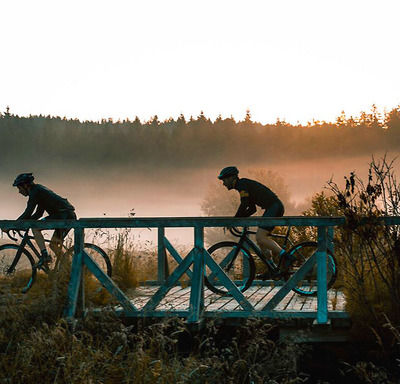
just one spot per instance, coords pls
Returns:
(26, 240)
(246, 242)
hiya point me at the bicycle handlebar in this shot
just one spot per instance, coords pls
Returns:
(237, 233)
(7, 232)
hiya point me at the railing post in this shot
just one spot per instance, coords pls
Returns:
(163, 271)
(196, 304)
(75, 282)
(331, 244)
(322, 283)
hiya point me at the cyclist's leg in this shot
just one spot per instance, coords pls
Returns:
(56, 241)
(59, 234)
(37, 234)
(45, 257)
(266, 244)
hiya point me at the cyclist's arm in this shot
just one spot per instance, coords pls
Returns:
(38, 214)
(30, 207)
(28, 211)
(246, 208)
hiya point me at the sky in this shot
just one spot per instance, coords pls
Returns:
(288, 59)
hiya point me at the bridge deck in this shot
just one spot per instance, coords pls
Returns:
(178, 297)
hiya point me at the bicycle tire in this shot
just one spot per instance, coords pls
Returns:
(24, 274)
(308, 285)
(96, 253)
(242, 271)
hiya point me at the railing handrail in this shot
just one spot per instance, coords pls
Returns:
(185, 222)
(154, 222)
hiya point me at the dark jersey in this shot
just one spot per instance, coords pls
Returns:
(253, 193)
(45, 200)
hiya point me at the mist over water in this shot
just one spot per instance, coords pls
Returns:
(169, 192)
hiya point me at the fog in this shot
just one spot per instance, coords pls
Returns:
(170, 192)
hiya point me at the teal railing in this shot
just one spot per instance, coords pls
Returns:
(193, 264)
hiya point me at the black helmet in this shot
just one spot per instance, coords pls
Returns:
(23, 178)
(228, 171)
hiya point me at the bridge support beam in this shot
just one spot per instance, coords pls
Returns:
(322, 283)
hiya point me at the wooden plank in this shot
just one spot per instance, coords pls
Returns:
(252, 295)
(296, 303)
(285, 301)
(266, 298)
(171, 281)
(180, 298)
(142, 295)
(287, 287)
(227, 282)
(219, 303)
(340, 301)
(311, 304)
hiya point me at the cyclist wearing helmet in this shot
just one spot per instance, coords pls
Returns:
(253, 194)
(43, 199)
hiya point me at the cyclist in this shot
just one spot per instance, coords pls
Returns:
(43, 199)
(252, 194)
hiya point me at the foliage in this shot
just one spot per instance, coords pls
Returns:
(90, 145)
(369, 249)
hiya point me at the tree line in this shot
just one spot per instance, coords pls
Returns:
(193, 142)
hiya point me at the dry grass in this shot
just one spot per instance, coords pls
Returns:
(37, 346)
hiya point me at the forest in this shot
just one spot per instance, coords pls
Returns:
(194, 142)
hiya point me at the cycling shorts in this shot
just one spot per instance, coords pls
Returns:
(69, 214)
(274, 210)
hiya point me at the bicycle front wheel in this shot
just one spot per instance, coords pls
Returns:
(308, 285)
(235, 261)
(18, 277)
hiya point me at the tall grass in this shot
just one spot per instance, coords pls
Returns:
(37, 346)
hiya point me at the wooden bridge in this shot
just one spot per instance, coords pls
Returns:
(165, 297)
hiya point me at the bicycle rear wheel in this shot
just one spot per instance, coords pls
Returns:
(308, 285)
(91, 283)
(235, 261)
(94, 251)
(22, 276)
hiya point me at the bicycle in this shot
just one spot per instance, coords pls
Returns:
(237, 261)
(19, 268)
